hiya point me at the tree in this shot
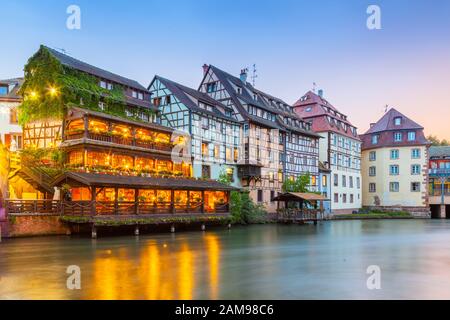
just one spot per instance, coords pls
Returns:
(435, 141)
(297, 185)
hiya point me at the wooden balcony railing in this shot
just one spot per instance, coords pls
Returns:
(122, 140)
(296, 214)
(107, 208)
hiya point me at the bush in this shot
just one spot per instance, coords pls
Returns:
(244, 210)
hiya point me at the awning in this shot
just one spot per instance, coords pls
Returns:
(298, 196)
(107, 180)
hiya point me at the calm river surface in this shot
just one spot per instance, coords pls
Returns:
(327, 261)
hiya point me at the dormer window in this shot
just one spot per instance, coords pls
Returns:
(375, 138)
(3, 90)
(134, 94)
(411, 136)
(239, 90)
(398, 121)
(398, 136)
(255, 96)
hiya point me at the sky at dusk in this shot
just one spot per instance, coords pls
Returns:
(406, 64)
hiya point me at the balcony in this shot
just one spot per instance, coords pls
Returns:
(117, 139)
(439, 172)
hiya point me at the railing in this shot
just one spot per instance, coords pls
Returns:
(439, 171)
(299, 214)
(107, 208)
(32, 206)
(438, 192)
(122, 140)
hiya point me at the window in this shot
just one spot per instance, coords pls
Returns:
(336, 197)
(324, 181)
(109, 86)
(157, 102)
(271, 176)
(394, 187)
(103, 84)
(206, 172)
(217, 152)
(411, 136)
(372, 187)
(394, 170)
(350, 182)
(372, 156)
(3, 90)
(398, 121)
(415, 186)
(140, 96)
(352, 198)
(260, 196)
(358, 183)
(272, 195)
(398, 136)
(372, 171)
(375, 138)
(415, 153)
(344, 198)
(211, 87)
(415, 169)
(13, 118)
(205, 149)
(335, 180)
(344, 181)
(395, 154)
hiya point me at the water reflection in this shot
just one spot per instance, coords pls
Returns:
(327, 261)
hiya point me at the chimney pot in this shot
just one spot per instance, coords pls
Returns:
(321, 93)
(205, 69)
(243, 75)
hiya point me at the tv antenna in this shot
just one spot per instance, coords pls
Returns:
(386, 108)
(254, 75)
(314, 87)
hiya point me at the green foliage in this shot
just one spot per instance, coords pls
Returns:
(376, 214)
(298, 185)
(73, 88)
(224, 178)
(435, 141)
(244, 210)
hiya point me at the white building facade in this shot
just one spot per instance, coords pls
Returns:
(339, 150)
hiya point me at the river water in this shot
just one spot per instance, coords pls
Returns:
(327, 261)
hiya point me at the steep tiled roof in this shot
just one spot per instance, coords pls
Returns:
(182, 93)
(85, 67)
(386, 123)
(93, 179)
(385, 129)
(439, 151)
(323, 115)
(263, 100)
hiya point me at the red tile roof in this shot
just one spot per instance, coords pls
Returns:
(319, 112)
(385, 129)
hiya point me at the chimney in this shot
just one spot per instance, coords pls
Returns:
(205, 69)
(243, 75)
(320, 93)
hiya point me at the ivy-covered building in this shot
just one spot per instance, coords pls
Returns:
(277, 143)
(93, 135)
(214, 133)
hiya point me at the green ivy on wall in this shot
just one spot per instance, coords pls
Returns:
(50, 88)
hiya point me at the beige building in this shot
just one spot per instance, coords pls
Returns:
(395, 165)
